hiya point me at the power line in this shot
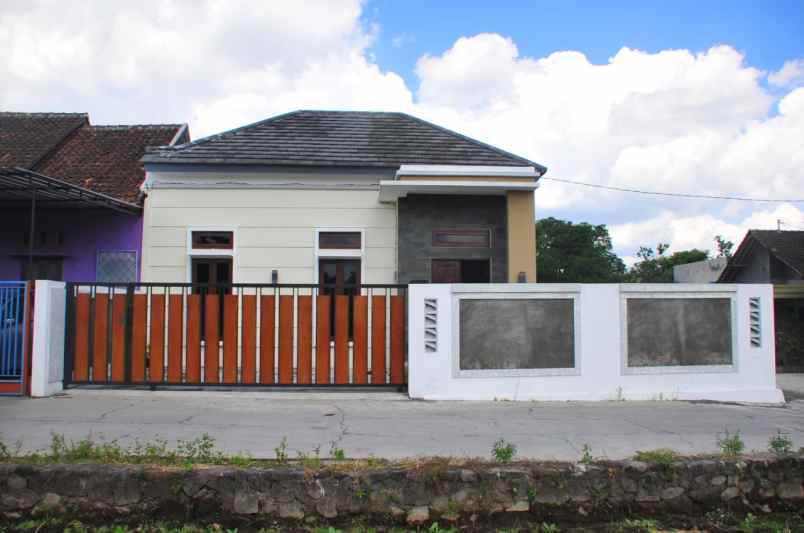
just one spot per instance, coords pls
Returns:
(677, 194)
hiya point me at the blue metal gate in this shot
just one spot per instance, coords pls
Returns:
(12, 335)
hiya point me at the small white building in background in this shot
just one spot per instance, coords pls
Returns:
(707, 271)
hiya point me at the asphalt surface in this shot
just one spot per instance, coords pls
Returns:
(390, 425)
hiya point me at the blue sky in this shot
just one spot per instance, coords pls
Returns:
(768, 32)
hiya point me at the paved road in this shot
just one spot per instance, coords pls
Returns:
(388, 425)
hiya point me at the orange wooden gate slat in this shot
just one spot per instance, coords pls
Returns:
(230, 338)
(249, 338)
(322, 339)
(175, 325)
(194, 338)
(211, 348)
(285, 339)
(139, 330)
(304, 340)
(341, 339)
(397, 340)
(360, 333)
(157, 358)
(118, 338)
(81, 357)
(100, 336)
(267, 339)
(378, 340)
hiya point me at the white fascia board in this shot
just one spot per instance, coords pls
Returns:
(391, 190)
(466, 170)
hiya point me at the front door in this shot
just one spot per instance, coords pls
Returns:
(460, 271)
(339, 277)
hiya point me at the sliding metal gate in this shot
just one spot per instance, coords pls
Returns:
(235, 335)
(13, 315)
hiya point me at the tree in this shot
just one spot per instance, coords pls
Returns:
(655, 267)
(724, 247)
(575, 253)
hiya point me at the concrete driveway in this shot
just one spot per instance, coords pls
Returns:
(389, 425)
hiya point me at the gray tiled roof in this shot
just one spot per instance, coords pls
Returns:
(339, 138)
(786, 246)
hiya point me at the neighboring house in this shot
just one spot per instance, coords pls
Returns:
(777, 257)
(706, 271)
(339, 198)
(71, 196)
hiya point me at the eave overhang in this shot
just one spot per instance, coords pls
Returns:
(392, 190)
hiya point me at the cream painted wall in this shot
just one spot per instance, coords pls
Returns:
(274, 229)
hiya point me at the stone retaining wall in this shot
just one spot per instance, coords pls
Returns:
(415, 494)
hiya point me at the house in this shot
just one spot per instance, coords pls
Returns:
(706, 271)
(338, 198)
(777, 257)
(70, 191)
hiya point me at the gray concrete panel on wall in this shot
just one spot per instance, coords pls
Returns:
(679, 331)
(419, 215)
(520, 334)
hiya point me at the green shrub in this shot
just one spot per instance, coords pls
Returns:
(586, 454)
(503, 451)
(781, 443)
(731, 444)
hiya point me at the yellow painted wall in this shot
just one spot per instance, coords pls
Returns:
(521, 235)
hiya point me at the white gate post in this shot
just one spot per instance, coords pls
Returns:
(47, 357)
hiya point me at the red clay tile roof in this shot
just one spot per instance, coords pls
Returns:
(25, 138)
(106, 159)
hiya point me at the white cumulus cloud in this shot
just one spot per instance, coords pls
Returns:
(699, 121)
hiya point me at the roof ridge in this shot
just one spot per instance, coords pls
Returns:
(215, 136)
(135, 126)
(45, 114)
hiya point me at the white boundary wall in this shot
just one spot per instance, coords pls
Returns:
(600, 371)
(47, 362)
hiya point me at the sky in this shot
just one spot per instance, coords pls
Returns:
(675, 97)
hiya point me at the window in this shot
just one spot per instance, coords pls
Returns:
(339, 240)
(50, 268)
(462, 238)
(217, 240)
(115, 266)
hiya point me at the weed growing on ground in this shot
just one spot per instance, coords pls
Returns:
(781, 443)
(636, 525)
(665, 458)
(731, 444)
(586, 454)
(660, 456)
(281, 451)
(311, 460)
(503, 451)
(199, 450)
(336, 453)
(549, 527)
(435, 527)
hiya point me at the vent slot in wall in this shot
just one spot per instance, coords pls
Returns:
(430, 325)
(755, 323)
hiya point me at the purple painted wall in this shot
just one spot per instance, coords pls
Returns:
(84, 233)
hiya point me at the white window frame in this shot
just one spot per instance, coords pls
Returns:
(654, 292)
(341, 253)
(211, 252)
(476, 292)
